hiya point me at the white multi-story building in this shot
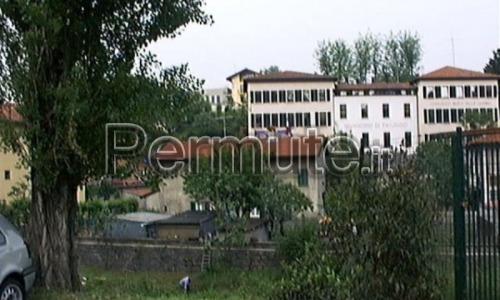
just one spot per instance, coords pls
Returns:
(290, 103)
(446, 94)
(218, 98)
(383, 114)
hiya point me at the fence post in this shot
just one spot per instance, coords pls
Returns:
(459, 215)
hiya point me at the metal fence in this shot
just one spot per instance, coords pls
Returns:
(476, 214)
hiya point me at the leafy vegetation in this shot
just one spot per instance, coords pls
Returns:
(493, 65)
(395, 58)
(477, 120)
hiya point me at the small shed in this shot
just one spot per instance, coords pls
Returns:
(187, 225)
(135, 225)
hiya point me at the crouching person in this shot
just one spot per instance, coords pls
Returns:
(185, 284)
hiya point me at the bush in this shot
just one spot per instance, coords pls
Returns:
(17, 212)
(293, 245)
(94, 214)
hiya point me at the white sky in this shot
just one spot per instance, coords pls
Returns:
(260, 33)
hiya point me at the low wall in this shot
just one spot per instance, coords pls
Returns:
(143, 255)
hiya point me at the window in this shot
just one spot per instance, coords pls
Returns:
(444, 92)
(314, 95)
(290, 96)
(327, 95)
(274, 120)
(306, 94)
(307, 119)
(453, 92)
(253, 121)
(195, 206)
(316, 117)
(460, 115)
(454, 118)
(387, 139)
(252, 97)
(432, 119)
(365, 140)
(298, 96)
(437, 91)
(489, 91)
(283, 120)
(468, 91)
(274, 96)
(7, 175)
(258, 97)
(291, 119)
(329, 119)
(385, 110)
(474, 92)
(322, 119)
(407, 139)
(218, 99)
(439, 116)
(459, 91)
(495, 91)
(482, 91)
(3, 241)
(407, 110)
(258, 120)
(426, 120)
(446, 116)
(299, 120)
(364, 111)
(282, 95)
(265, 96)
(303, 177)
(322, 95)
(267, 120)
(343, 111)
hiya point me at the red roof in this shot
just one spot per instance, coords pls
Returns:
(487, 139)
(126, 182)
(9, 112)
(288, 76)
(139, 191)
(279, 147)
(375, 86)
(456, 73)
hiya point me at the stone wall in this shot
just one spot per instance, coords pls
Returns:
(167, 257)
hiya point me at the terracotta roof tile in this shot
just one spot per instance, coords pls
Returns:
(277, 147)
(289, 76)
(487, 139)
(139, 191)
(456, 73)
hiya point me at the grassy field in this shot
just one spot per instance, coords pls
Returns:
(217, 284)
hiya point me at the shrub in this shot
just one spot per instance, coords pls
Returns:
(293, 245)
(16, 211)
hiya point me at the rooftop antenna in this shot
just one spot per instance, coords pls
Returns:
(453, 49)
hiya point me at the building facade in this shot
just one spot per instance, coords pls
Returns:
(238, 85)
(218, 98)
(384, 114)
(290, 103)
(445, 95)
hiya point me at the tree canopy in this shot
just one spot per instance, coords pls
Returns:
(70, 68)
(493, 65)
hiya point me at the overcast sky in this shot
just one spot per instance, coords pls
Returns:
(259, 33)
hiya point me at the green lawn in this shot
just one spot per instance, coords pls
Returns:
(218, 284)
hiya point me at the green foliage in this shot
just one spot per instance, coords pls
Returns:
(493, 66)
(385, 226)
(236, 183)
(433, 159)
(270, 69)
(394, 58)
(17, 212)
(292, 246)
(94, 214)
(477, 120)
(103, 190)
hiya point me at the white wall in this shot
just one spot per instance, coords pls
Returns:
(376, 125)
(292, 107)
(450, 103)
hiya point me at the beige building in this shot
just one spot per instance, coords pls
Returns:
(237, 85)
(446, 94)
(290, 103)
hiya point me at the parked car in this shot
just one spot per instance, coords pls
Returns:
(17, 270)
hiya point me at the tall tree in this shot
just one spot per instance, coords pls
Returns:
(392, 61)
(411, 55)
(363, 53)
(493, 66)
(71, 67)
(270, 69)
(335, 59)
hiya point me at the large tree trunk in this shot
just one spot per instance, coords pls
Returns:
(51, 233)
